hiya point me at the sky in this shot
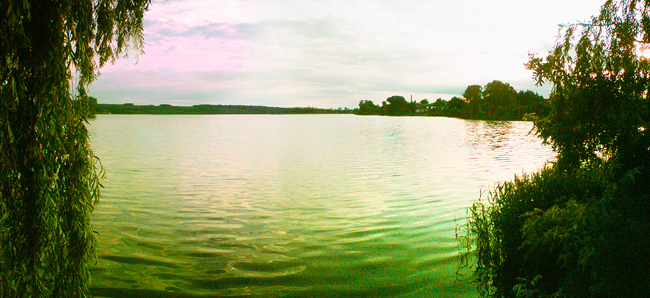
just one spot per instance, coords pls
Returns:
(333, 53)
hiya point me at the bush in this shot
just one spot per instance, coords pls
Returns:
(581, 228)
(562, 234)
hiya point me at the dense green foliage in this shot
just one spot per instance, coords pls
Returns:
(581, 227)
(92, 107)
(49, 177)
(393, 106)
(564, 233)
(209, 109)
(497, 101)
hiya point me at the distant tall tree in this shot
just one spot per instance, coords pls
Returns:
(531, 102)
(499, 100)
(474, 97)
(367, 107)
(497, 93)
(49, 177)
(92, 106)
(439, 105)
(456, 107)
(424, 103)
(473, 93)
(398, 106)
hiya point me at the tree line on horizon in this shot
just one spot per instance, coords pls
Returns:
(495, 101)
(207, 109)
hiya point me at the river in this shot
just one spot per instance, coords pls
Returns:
(294, 205)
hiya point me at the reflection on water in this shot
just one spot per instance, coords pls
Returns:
(492, 133)
(293, 206)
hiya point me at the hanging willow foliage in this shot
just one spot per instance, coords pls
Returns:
(600, 73)
(49, 177)
(581, 227)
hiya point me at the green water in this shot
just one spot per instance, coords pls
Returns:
(293, 205)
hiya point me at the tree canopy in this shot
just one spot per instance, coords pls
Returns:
(600, 85)
(398, 106)
(50, 52)
(473, 93)
(497, 101)
(579, 228)
(393, 106)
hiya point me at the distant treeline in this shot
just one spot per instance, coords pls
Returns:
(130, 108)
(495, 101)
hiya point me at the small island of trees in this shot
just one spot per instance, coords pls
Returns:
(495, 101)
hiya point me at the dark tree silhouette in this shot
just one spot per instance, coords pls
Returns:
(49, 177)
(579, 228)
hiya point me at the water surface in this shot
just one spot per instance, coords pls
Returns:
(293, 205)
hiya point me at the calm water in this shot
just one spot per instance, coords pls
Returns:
(295, 205)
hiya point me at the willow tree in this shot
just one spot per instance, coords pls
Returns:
(49, 177)
(581, 227)
(600, 71)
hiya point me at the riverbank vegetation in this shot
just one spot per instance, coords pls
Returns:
(209, 109)
(49, 176)
(495, 101)
(580, 227)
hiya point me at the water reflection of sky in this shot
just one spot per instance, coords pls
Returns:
(505, 146)
(312, 204)
(492, 133)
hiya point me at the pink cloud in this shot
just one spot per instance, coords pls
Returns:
(178, 47)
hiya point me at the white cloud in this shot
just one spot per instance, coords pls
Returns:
(333, 53)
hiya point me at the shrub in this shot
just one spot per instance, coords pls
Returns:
(562, 234)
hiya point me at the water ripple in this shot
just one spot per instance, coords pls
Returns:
(293, 206)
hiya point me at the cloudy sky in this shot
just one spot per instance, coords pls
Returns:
(333, 53)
